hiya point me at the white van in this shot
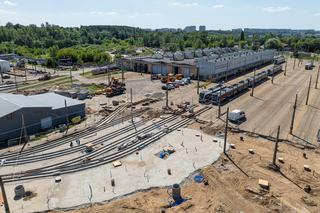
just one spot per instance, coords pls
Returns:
(237, 115)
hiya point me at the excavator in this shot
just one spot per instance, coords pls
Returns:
(115, 88)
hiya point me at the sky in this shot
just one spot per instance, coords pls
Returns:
(215, 14)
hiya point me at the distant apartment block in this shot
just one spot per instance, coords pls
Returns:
(202, 28)
(190, 29)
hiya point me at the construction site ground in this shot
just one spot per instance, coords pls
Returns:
(233, 184)
(230, 190)
(233, 181)
(144, 170)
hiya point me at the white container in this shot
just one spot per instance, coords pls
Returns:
(4, 66)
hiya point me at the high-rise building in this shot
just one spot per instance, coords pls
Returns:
(190, 29)
(202, 28)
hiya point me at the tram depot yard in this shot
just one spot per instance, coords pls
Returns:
(145, 145)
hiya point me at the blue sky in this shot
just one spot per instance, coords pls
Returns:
(215, 14)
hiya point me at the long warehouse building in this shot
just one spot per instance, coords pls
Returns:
(36, 113)
(213, 64)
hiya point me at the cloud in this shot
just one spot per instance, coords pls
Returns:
(6, 12)
(100, 13)
(217, 6)
(276, 9)
(10, 3)
(182, 4)
(316, 14)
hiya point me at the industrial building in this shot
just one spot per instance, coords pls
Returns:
(213, 64)
(35, 113)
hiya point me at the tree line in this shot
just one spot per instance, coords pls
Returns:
(92, 44)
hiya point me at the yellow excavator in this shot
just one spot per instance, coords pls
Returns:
(115, 88)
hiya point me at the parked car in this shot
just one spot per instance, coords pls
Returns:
(145, 136)
(122, 146)
(181, 82)
(186, 80)
(168, 87)
(176, 84)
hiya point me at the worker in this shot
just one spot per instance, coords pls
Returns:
(78, 141)
(71, 144)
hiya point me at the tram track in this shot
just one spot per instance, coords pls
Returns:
(67, 139)
(97, 158)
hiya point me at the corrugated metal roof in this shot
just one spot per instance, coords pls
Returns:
(10, 102)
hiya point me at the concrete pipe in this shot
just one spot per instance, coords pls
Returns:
(176, 192)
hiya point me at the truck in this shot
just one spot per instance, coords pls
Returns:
(237, 116)
(309, 66)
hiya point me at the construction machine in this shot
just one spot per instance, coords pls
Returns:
(179, 77)
(168, 78)
(115, 88)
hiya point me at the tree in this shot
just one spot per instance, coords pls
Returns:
(273, 43)
(242, 38)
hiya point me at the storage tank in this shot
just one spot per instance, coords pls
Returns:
(4, 66)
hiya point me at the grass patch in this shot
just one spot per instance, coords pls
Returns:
(89, 74)
(46, 83)
(94, 88)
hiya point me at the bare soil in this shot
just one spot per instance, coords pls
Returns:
(233, 184)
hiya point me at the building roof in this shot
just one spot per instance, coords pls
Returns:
(10, 103)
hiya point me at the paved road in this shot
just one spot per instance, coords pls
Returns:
(272, 105)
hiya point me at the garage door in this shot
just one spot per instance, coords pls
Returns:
(46, 123)
(158, 69)
(186, 72)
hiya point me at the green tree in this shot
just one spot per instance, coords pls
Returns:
(242, 38)
(273, 43)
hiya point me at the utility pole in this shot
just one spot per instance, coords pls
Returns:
(15, 79)
(25, 75)
(274, 164)
(198, 76)
(67, 116)
(122, 76)
(219, 109)
(109, 78)
(167, 97)
(226, 132)
(294, 63)
(4, 196)
(272, 75)
(254, 82)
(293, 114)
(226, 75)
(317, 77)
(131, 101)
(71, 77)
(285, 69)
(307, 101)
(1, 77)
(24, 134)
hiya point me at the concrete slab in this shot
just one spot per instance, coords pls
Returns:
(193, 150)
